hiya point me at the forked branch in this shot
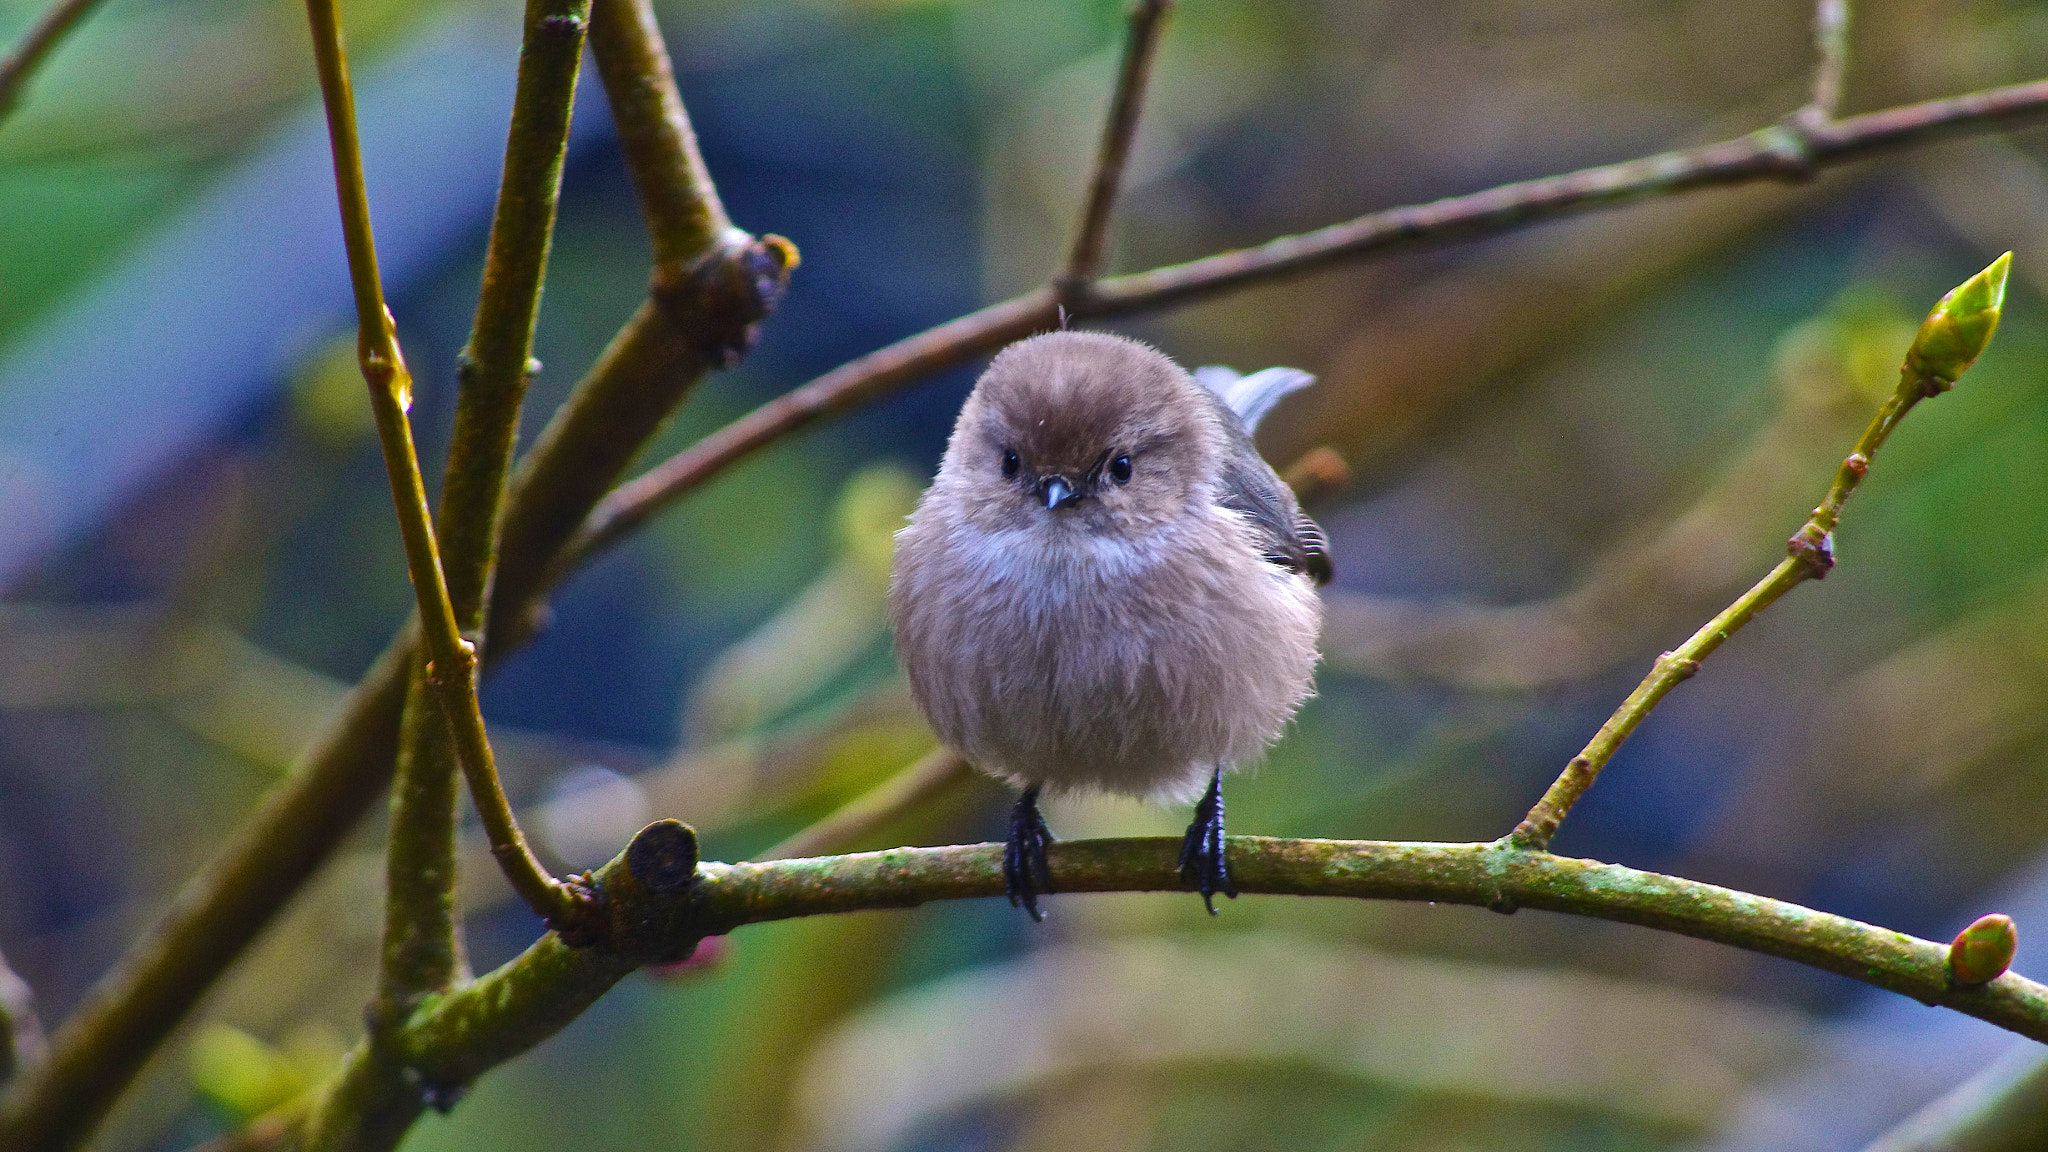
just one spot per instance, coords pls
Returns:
(452, 668)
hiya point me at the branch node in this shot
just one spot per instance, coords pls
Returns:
(563, 24)
(721, 300)
(1857, 463)
(1814, 549)
(579, 920)
(441, 1098)
(1787, 147)
(1685, 668)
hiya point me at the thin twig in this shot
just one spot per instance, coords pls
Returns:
(36, 46)
(2003, 1108)
(420, 951)
(1780, 152)
(21, 1029)
(1141, 45)
(1831, 48)
(874, 809)
(508, 1011)
(452, 670)
(1931, 368)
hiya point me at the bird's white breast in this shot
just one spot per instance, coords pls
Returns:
(1051, 654)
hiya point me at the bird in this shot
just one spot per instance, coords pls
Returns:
(1106, 587)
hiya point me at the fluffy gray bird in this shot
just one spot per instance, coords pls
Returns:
(1107, 587)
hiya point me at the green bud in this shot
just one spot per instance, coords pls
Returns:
(1960, 327)
(1983, 951)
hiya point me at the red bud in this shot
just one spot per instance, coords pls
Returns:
(1983, 951)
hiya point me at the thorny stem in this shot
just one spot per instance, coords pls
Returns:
(452, 670)
(36, 46)
(665, 910)
(421, 951)
(1141, 46)
(1809, 555)
(1780, 152)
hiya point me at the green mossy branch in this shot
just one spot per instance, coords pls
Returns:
(456, 1037)
(421, 951)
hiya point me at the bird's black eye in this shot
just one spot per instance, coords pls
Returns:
(1120, 469)
(1010, 463)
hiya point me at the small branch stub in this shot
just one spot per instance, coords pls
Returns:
(663, 856)
(1982, 952)
(725, 297)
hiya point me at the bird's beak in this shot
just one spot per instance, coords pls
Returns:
(1058, 494)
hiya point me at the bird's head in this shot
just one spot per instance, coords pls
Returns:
(1083, 431)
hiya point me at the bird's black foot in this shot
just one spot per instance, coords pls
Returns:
(1026, 875)
(1203, 860)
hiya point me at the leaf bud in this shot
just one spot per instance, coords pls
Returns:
(1959, 328)
(1983, 951)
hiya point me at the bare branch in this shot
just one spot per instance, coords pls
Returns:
(421, 953)
(1141, 45)
(1950, 340)
(1775, 153)
(452, 670)
(647, 371)
(21, 1030)
(36, 46)
(1831, 46)
(2003, 1108)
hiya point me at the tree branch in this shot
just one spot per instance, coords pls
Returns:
(2003, 1108)
(1780, 152)
(21, 1030)
(1141, 45)
(1950, 340)
(36, 46)
(452, 669)
(661, 910)
(421, 952)
(1831, 45)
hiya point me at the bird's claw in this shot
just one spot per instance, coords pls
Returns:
(1026, 875)
(1204, 860)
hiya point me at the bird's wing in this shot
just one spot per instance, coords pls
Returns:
(1285, 534)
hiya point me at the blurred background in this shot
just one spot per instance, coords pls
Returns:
(1562, 450)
